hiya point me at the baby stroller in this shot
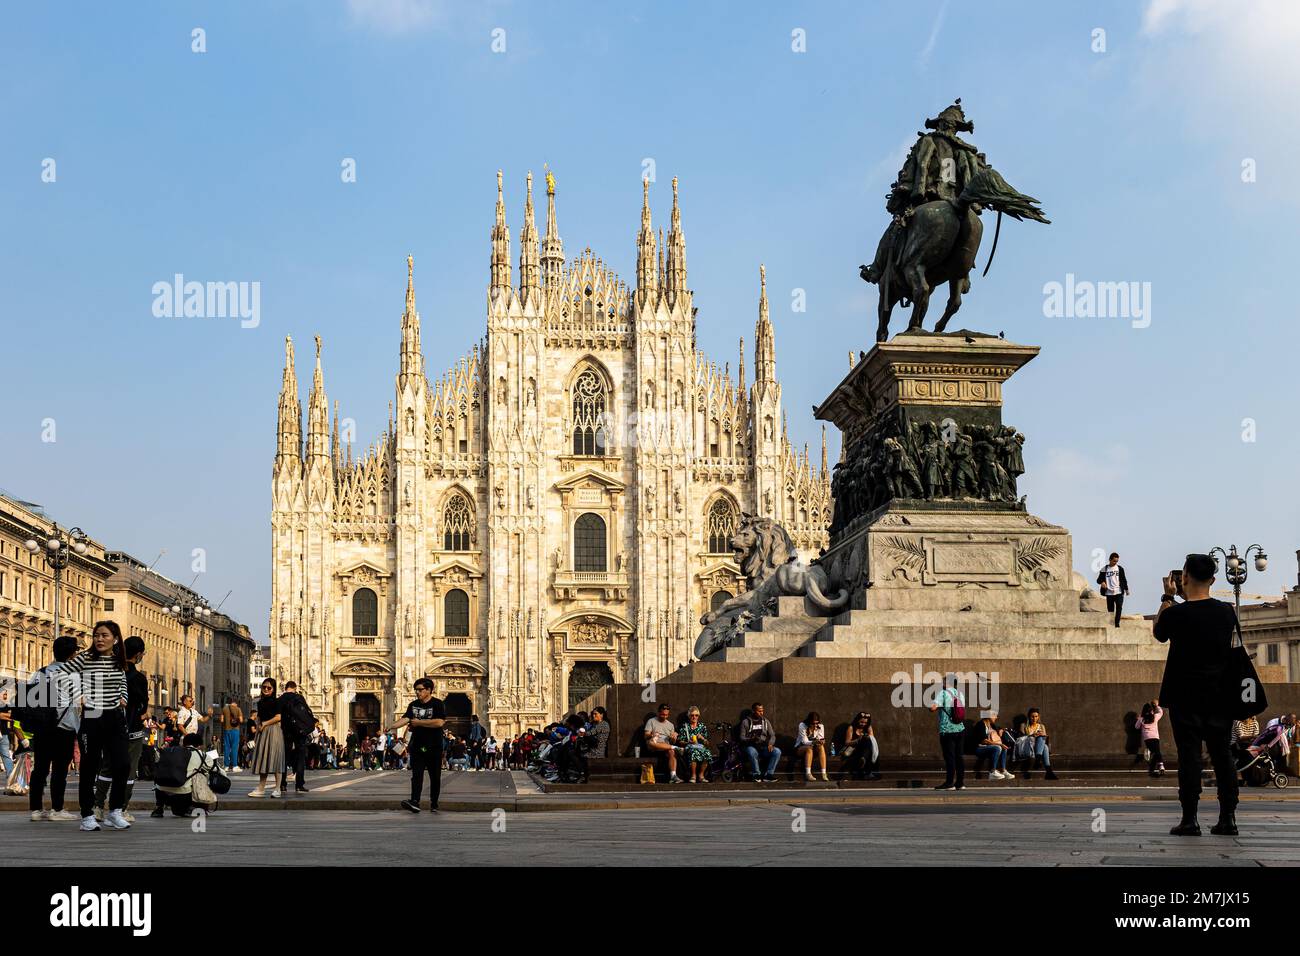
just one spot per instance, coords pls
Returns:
(1255, 761)
(729, 765)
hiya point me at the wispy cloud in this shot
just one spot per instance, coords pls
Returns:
(396, 16)
(924, 58)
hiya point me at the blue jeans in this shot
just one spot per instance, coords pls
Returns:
(230, 740)
(997, 755)
(6, 755)
(773, 758)
(1042, 752)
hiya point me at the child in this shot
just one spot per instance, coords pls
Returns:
(1149, 724)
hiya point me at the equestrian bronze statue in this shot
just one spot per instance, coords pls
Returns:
(935, 231)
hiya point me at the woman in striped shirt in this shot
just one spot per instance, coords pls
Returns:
(103, 735)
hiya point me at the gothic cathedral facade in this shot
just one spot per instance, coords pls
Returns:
(551, 515)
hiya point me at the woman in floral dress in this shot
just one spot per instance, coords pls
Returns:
(693, 738)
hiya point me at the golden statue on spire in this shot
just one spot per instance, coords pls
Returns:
(550, 180)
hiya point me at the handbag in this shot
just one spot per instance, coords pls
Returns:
(1243, 694)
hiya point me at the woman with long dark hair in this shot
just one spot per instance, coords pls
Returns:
(268, 751)
(103, 733)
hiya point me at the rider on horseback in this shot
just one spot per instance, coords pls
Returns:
(939, 166)
(935, 230)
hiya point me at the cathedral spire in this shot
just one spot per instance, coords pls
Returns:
(318, 414)
(823, 449)
(552, 247)
(647, 272)
(530, 267)
(765, 347)
(741, 367)
(661, 256)
(500, 272)
(289, 428)
(675, 281)
(412, 357)
(334, 438)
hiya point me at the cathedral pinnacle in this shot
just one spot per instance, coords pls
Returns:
(412, 358)
(500, 270)
(529, 262)
(765, 347)
(552, 247)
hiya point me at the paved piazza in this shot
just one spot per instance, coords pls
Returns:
(340, 823)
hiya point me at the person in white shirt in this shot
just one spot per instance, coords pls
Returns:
(810, 739)
(189, 719)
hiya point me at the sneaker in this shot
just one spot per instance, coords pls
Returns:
(64, 815)
(301, 790)
(275, 794)
(675, 779)
(808, 775)
(40, 816)
(115, 821)
(235, 770)
(769, 779)
(156, 813)
(960, 786)
(825, 777)
(127, 817)
(259, 792)
(99, 814)
(89, 824)
(1008, 775)
(1049, 775)
(946, 786)
(432, 808)
(995, 775)
(408, 805)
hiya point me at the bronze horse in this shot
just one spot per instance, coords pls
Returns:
(939, 245)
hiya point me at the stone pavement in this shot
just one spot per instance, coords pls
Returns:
(1089, 833)
(355, 790)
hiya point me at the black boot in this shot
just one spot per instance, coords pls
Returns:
(1227, 825)
(1187, 827)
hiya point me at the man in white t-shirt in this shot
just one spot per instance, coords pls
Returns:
(188, 719)
(661, 737)
(1114, 585)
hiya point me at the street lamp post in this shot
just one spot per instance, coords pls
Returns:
(187, 611)
(1235, 568)
(57, 548)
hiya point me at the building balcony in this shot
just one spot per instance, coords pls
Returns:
(459, 645)
(365, 644)
(568, 584)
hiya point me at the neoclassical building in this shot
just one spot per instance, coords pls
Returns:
(550, 515)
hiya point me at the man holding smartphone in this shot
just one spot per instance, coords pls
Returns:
(1199, 632)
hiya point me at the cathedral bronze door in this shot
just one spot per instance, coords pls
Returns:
(459, 710)
(586, 678)
(363, 715)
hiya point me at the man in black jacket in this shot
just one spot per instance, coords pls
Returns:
(1199, 632)
(297, 720)
(1114, 585)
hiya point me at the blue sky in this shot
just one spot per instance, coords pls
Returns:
(225, 165)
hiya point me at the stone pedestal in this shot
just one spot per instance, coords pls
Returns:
(941, 557)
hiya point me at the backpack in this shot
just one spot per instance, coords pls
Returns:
(40, 714)
(957, 712)
(173, 767)
(298, 716)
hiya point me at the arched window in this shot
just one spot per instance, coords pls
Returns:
(720, 526)
(455, 612)
(365, 612)
(590, 401)
(589, 543)
(719, 598)
(456, 524)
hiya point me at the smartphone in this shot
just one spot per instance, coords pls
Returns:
(1177, 578)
